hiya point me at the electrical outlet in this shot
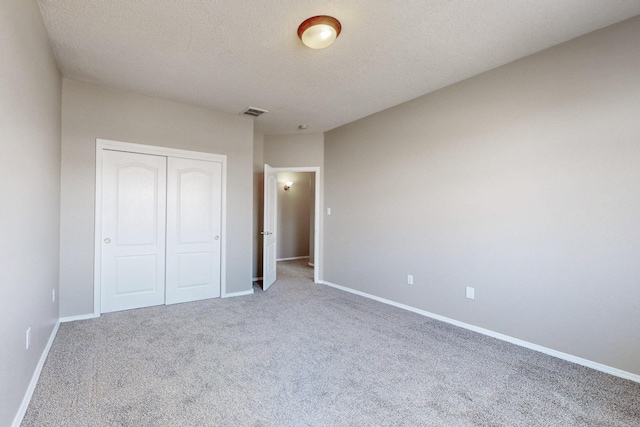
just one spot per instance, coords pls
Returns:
(409, 279)
(53, 296)
(328, 211)
(28, 343)
(471, 292)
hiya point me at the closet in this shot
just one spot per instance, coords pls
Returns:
(160, 228)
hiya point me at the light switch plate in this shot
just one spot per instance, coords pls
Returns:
(471, 292)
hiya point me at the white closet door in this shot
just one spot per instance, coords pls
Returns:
(133, 230)
(194, 207)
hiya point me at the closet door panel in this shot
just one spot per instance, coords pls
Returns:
(194, 203)
(133, 230)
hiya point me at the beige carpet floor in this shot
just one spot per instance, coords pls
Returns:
(302, 354)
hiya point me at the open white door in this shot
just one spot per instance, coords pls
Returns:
(269, 232)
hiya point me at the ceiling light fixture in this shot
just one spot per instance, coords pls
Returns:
(319, 32)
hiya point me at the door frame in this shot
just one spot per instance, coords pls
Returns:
(317, 220)
(105, 144)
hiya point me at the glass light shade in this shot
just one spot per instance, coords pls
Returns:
(319, 32)
(319, 36)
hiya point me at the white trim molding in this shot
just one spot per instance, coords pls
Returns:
(238, 294)
(34, 379)
(292, 258)
(551, 352)
(78, 317)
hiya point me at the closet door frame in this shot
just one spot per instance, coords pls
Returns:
(104, 144)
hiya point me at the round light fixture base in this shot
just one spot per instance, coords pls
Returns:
(320, 31)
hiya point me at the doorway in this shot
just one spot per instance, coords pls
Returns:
(296, 214)
(271, 219)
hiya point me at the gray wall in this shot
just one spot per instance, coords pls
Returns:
(522, 182)
(30, 86)
(294, 216)
(90, 112)
(294, 150)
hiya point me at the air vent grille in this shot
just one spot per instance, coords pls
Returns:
(253, 112)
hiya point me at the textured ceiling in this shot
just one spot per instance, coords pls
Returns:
(230, 54)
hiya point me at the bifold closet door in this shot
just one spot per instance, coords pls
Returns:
(132, 272)
(194, 208)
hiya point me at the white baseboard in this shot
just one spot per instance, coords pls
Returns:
(292, 258)
(34, 379)
(255, 279)
(551, 352)
(311, 264)
(237, 294)
(79, 317)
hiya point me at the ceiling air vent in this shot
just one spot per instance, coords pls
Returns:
(253, 112)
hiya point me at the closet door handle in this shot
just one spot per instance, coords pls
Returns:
(107, 240)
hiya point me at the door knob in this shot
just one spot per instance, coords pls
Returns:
(266, 233)
(217, 237)
(107, 240)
